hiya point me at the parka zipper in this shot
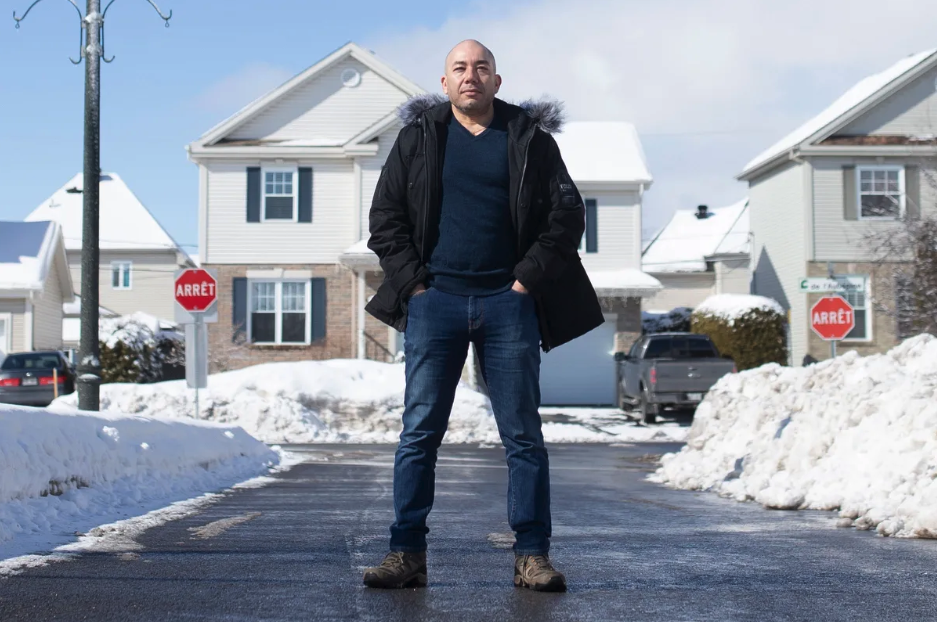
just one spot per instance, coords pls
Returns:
(520, 190)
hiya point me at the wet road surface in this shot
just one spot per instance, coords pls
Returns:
(631, 550)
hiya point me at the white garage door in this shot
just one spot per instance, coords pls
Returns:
(581, 372)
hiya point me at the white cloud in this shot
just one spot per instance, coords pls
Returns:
(745, 71)
(233, 92)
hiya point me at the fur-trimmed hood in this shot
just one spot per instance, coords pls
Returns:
(547, 113)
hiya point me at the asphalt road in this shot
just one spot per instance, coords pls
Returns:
(631, 550)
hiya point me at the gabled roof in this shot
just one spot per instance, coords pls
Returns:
(851, 104)
(125, 223)
(350, 49)
(685, 243)
(29, 253)
(599, 151)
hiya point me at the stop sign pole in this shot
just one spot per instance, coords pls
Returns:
(196, 295)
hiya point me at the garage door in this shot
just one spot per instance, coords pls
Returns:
(581, 372)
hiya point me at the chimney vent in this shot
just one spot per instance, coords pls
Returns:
(702, 212)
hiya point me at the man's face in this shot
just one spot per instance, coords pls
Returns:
(470, 81)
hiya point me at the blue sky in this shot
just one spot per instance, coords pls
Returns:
(709, 83)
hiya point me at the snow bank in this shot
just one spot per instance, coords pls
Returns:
(852, 434)
(733, 306)
(62, 472)
(333, 401)
(337, 401)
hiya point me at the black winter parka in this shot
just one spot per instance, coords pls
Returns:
(546, 209)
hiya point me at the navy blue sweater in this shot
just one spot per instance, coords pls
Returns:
(475, 254)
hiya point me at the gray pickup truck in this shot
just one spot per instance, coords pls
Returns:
(669, 370)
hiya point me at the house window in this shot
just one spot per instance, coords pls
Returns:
(858, 297)
(5, 330)
(279, 312)
(279, 195)
(120, 274)
(881, 192)
(589, 243)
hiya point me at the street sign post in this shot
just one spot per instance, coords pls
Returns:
(196, 292)
(832, 318)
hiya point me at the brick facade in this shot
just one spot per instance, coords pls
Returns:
(224, 355)
(880, 302)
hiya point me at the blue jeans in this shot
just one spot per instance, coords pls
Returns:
(506, 335)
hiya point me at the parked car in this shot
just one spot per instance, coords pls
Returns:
(669, 371)
(30, 378)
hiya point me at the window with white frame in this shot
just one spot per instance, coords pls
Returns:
(120, 274)
(279, 194)
(279, 312)
(590, 205)
(6, 329)
(881, 192)
(859, 297)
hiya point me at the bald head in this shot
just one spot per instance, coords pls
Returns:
(467, 47)
(471, 80)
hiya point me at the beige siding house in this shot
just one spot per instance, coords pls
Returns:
(700, 253)
(34, 285)
(857, 168)
(285, 192)
(138, 258)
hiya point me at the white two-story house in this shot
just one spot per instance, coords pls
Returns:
(857, 168)
(285, 191)
(138, 258)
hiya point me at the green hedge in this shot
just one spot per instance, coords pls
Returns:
(753, 339)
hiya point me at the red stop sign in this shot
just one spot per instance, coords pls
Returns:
(832, 318)
(196, 290)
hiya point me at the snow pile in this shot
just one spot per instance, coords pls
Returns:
(62, 472)
(733, 306)
(344, 401)
(331, 401)
(853, 434)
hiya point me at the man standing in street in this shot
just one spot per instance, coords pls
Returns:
(477, 225)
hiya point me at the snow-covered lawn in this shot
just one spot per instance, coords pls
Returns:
(857, 435)
(63, 473)
(345, 401)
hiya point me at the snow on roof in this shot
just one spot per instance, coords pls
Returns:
(685, 243)
(74, 308)
(733, 306)
(359, 255)
(26, 252)
(855, 96)
(126, 224)
(626, 282)
(603, 151)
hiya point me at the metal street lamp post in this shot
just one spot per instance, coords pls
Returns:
(92, 50)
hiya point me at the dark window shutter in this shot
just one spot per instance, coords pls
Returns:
(318, 309)
(592, 226)
(850, 197)
(253, 194)
(305, 195)
(239, 315)
(912, 187)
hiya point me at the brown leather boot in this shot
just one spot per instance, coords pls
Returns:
(537, 573)
(398, 570)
